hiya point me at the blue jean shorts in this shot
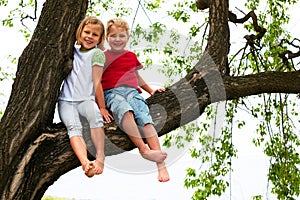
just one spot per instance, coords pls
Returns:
(123, 99)
(71, 113)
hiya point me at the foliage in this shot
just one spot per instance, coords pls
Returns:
(215, 151)
(277, 135)
(53, 198)
(277, 131)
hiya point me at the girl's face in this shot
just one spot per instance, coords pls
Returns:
(117, 39)
(90, 36)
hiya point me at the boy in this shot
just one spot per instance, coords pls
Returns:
(120, 82)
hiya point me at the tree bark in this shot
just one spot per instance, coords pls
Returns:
(35, 152)
(43, 65)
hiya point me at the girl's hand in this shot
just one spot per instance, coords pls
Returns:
(107, 117)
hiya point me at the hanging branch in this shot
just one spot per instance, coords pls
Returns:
(250, 38)
(204, 4)
(288, 54)
(34, 17)
(285, 55)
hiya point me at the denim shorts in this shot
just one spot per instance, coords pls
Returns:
(123, 99)
(71, 113)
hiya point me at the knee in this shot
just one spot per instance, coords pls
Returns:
(128, 114)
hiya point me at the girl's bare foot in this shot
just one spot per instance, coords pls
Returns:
(154, 155)
(90, 173)
(88, 168)
(163, 175)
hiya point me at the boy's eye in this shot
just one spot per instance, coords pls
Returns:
(120, 36)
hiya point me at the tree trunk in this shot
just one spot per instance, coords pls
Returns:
(35, 152)
(43, 65)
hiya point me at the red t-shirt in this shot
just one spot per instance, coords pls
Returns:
(119, 69)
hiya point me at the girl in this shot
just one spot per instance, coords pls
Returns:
(78, 97)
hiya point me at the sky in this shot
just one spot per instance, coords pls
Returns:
(128, 177)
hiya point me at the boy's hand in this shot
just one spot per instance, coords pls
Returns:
(162, 89)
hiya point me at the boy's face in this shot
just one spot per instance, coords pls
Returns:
(117, 38)
(90, 36)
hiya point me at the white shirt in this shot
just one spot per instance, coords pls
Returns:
(78, 86)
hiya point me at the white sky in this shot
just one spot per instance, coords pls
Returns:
(248, 178)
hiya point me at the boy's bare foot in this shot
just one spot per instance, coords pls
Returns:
(163, 175)
(154, 155)
(98, 166)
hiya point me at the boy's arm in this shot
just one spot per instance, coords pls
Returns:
(146, 87)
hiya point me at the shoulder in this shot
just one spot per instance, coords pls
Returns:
(97, 52)
(131, 54)
(98, 56)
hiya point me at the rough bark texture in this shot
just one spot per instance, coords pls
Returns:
(35, 152)
(42, 66)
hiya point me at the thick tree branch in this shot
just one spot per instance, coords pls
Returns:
(176, 106)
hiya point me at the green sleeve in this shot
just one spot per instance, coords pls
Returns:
(98, 58)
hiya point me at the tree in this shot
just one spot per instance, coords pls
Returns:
(34, 149)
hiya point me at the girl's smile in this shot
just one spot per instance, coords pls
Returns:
(90, 36)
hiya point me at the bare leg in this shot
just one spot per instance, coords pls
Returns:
(153, 142)
(79, 148)
(130, 127)
(97, 135)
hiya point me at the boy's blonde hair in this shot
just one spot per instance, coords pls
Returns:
(95, 21)
(118, 22)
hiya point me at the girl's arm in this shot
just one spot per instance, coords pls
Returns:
(99, 94)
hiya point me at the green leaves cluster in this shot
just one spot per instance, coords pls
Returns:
(214, 152)
(54, 198)
(279, 137)
(277, 131)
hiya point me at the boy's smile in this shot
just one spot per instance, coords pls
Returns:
(117, 39)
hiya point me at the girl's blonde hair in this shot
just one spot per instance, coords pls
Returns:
(95, 21)
(118, 22)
